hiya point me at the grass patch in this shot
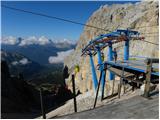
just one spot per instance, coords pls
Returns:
(132, 59)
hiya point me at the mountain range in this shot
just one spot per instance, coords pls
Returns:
(36, 49)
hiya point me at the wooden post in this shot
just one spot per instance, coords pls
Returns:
(113, 86)
(124, 87)
(97, 90)
(42, 104)
(103, 85)
(148, 79)
(120, 85)
(119, 90)
(74, 94)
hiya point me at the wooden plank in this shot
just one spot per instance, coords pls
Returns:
(97, 90)
(118, 72)
(148, 79)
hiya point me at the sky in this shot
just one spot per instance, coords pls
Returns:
(19, 24)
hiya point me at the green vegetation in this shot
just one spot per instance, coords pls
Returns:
(47, 87)
(132, 58)
(156, 70)
(50, 75)
(77, 68)
(102, 57)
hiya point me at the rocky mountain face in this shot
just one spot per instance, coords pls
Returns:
(141, 16)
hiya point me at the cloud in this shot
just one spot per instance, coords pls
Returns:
(9, 40)
(70, 41)
(14, 63)
(24, 61)
(60, 56)
(28, 41)
(43, 40)
(65, 40)
(35, 41)
(32, 40)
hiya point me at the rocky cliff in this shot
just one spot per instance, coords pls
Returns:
(141, 16)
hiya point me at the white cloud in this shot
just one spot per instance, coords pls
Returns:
(32, 40)
(60, 57)
(43, 40)
(35, 41)
(65, 41)
(29, 41)
(9, 40)
(24, 61)
(14, 63)
(69, 41)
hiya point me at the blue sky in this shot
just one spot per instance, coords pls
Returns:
(21, 24)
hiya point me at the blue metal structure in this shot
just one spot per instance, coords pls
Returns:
(126, 50)
(94, 75)
(129, 67)
(101, 68)
(127, 33)
(95, 46)
(110, 58)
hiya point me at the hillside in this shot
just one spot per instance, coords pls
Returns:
(21, 99)
(141, 16)
(19, 63)
(17, 94)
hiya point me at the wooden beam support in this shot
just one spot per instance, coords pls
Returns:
(148, 79)
(97, 89)
(151, 60)
(121, 81)
(74, 94)
(42, 104)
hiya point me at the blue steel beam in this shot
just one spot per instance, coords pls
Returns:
(116, 33)
(91, 42)
(100, 62)
(128, 67)
(94, 75)
(113, 34)
(126, 45)
(126, 50)
(110, 58)
(127, 31)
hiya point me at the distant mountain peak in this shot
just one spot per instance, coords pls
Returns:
(33, 40)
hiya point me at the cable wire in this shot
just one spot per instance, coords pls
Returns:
(150, 42)
(52, 17)
(62, 19)
(70, 21)
(148, 26)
